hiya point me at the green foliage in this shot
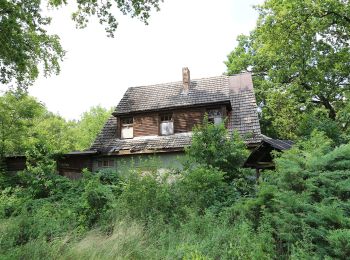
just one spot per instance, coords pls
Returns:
(298, 53)
(146, 196)
(26, 125)
(26, 44)
(299, 211)
(89, 126)
(213, 146)
(97, 199)
(17, 112)
(201, 188)
(307, 198)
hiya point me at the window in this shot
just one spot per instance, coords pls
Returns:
(166, 124)
(105, 163)
(127, 129)
(215, 116)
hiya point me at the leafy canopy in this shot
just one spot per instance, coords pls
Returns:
(26, 124)
(26, 44)
(299, 53)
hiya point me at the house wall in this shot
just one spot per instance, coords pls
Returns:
(72, 166)
(143, 161)
(15, 164)
(185, 120)
(147, 124)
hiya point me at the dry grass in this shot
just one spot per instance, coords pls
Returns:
(127, 241)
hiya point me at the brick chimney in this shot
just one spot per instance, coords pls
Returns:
(186, 80)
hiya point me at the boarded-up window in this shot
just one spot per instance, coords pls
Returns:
(166, 124)
(215, 116)
(127, 129)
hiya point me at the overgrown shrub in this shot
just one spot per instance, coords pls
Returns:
(299, 211)
(307, 196)
(212, 145)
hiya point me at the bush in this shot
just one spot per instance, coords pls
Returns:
(308, 194)
(201, 188)
(146, 196)
(213, 146)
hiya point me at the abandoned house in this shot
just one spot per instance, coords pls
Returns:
(158, 120)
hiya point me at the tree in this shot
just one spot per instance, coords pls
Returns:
(26, 44)
(306, 200)
(17, 112)
(53, 133)
(90, 125)
(299, 54)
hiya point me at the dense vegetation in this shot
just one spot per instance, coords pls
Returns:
(26, 124)
(299, 55)
(205, 211)
(212, 208)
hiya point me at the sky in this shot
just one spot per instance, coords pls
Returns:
(97, 70)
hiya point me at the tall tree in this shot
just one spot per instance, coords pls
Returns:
(17, 112)
(25, 43)
(300, 56)
(90, 125)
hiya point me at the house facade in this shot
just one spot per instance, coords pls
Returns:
(158, 120)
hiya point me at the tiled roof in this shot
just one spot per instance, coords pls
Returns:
(237, 90)
(152, 143)
(171, 95)
(244, 116)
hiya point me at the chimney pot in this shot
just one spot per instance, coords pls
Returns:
(186, 80)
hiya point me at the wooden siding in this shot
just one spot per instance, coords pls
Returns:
(148, 124)
(185, 120)
(72, 166)
(15, 164)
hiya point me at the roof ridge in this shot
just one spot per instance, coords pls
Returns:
(179, 81)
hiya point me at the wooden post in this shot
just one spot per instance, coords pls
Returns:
(257, 174)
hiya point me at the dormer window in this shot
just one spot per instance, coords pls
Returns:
(127, 128)
(166, 124)
(215, 116)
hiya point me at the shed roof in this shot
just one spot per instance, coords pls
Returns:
(278, 144)
(261, 157)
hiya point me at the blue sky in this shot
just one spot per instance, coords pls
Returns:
(97, 70)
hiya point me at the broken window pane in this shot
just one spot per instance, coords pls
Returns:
(127, 129)
(215, 116)
(167, 124)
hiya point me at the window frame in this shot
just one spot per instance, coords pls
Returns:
(166, 118)
(126, 122)
(211, 118)
(105, 163)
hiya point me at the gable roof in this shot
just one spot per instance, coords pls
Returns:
(236, 90)
(171, 95)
